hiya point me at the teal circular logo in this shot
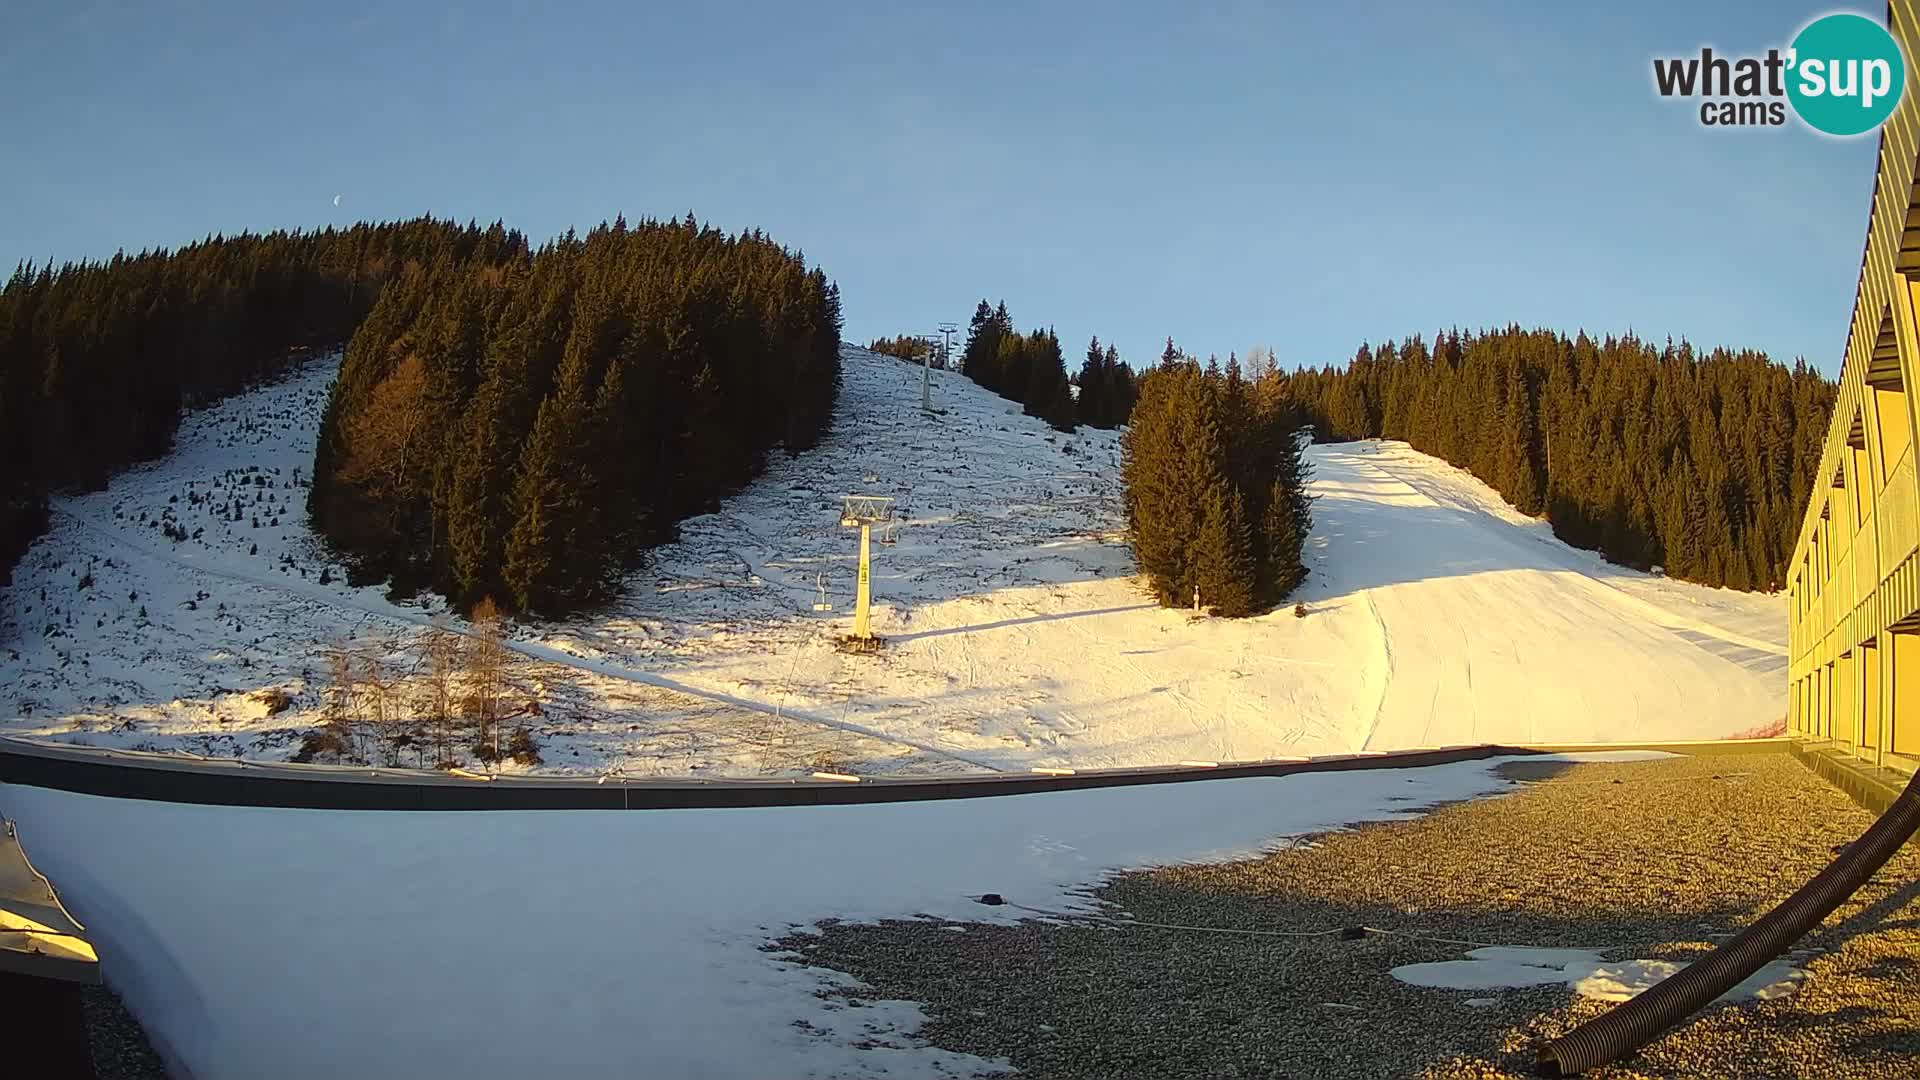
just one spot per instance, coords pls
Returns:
(1845, 74)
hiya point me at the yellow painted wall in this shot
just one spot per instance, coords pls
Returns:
(1869, 704)
(1896, 433)
(1845, 701)
(1826, 702)
(1905, 674)
(1862, 480)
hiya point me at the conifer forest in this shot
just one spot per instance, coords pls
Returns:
(1700, 463)
(507, 423)
(525, 426)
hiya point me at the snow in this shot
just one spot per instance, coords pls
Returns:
(1623, 979)
(1018, 635)
(301, 943)
(1585, 972)
(1478, 975)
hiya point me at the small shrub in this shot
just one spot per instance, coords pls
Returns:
(325, 741)
(522, 747)
(275, 699)
(1299, 611)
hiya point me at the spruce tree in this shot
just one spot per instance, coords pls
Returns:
(1162, 516)
(1223, 569)
(1092, 406)
(979, 359)
(1061, 414)
(1285, 565)
(1015, 362)
(1049, 395)
(1522, 484)
(1119, 394)
(550, 553)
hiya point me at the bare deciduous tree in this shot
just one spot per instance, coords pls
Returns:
(382, 705)
(342, 709)
(1259, 363)
(443, 649)
(487, 666)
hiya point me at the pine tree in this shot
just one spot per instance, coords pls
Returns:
(1049, 395)
(979, 360)
(1092, 407)
(1223, 570)
(1522, 483)
(549, 556)
(1216, 494)
(1162, 517)
(1015, 362)
(1119, 395)
(1285, 565)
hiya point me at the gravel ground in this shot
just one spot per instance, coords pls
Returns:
(1643, 860)
(120, 1049)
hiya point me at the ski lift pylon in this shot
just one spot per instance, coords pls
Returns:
(865, 509)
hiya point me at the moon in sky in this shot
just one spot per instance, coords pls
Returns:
(336, 200)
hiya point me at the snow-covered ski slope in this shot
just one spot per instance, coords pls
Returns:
(1017, 634)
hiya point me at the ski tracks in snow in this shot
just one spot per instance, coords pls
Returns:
(1688, 627)
(1384, 677)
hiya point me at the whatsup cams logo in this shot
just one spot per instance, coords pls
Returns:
(1842, 75)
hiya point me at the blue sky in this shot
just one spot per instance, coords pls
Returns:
(1302, 175)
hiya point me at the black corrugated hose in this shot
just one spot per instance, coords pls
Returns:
(1637, 1022)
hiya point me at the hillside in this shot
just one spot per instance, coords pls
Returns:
(1436, 614)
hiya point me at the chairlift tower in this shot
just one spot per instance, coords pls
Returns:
(926, 374)
(864, 511)
(947, 330)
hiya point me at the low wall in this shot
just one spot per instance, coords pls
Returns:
(175, 778)
(126, 774)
